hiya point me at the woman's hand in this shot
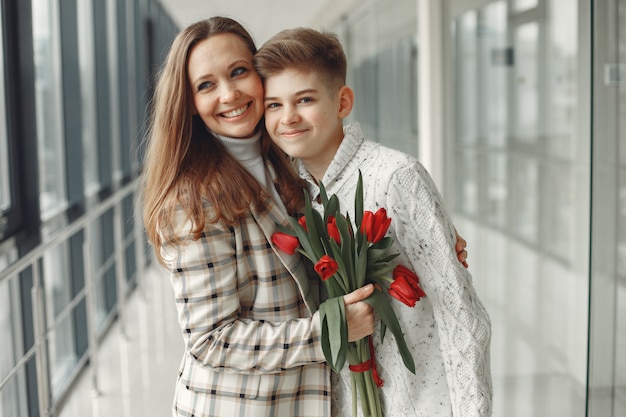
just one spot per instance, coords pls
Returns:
(461, 253)
(359, 315)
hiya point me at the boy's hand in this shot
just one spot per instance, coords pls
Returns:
(359, 315)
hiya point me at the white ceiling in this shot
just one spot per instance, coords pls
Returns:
(263, 18)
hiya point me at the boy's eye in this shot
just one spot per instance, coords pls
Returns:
(306, 100)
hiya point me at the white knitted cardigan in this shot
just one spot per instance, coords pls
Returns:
(449, 330)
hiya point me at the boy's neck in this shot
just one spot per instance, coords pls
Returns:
(318, 165)
(316, 170)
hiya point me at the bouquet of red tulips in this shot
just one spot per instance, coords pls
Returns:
(347, 258)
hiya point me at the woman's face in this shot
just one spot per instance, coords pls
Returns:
(226, 89)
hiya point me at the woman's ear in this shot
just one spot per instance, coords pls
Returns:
(346, 101)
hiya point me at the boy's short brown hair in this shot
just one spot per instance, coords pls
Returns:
(304, 49)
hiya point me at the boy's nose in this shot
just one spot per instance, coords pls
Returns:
(289, 115)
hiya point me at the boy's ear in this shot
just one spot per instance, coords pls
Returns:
(346, 101)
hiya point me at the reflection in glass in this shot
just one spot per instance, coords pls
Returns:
(619, 402)
(494, 50)
(524, 200)
(563, 138)
(61, 340)
(5, 191)
(382, 62)
(466, 182)
(523, 5)
(467, 67)
(48, 107)
(496, 191)
(88, 91)
(11, 396)
(520, 157)
(527, 105)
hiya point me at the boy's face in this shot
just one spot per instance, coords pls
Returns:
(304, 117)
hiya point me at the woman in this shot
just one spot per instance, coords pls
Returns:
(213, 193)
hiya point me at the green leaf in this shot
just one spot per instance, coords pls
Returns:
(361, 266)
(323, 195)
(383, 243)
(347, 251)
(342, 271)
(358, 202)
(380, 271)
(335, 331)
(382, 306)
(304, 239)
(286, 229)
(331, 208)
(375, 255)
(325, 340)
(313, 227)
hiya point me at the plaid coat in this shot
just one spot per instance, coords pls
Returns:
(249, 322)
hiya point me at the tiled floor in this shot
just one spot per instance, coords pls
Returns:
(136, 372)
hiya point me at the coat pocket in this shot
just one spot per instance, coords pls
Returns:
(199, 378)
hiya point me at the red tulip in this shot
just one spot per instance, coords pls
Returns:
(326, 267)
(302, 222)
(333, 232)
(285, 242)
(405, 287)
(410, 276)
(375, 225)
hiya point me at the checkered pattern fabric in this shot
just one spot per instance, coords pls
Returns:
(246, 312)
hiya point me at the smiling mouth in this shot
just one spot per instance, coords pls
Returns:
(236, 112)
(292, 132)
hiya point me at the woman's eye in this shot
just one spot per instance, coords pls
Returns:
(272, 106)
(205, 85)
(238, 71)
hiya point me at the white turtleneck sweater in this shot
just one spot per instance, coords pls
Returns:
(248, 152)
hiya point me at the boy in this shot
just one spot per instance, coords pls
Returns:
(449, 330)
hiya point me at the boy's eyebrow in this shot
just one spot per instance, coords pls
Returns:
(297, 93)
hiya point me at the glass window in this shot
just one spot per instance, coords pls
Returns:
(561, 82)
(61, 347)
(466, 181)
(496, 60)
(381, 50)
(5, 185)
(466, 70)
(524, 178)
(523, 5)
(521, 156)
(86, 44)
(12, 398)
(48, 107)
(526, 115)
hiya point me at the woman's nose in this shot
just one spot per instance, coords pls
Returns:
(229, 92)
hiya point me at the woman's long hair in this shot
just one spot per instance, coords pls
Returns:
(186, 164)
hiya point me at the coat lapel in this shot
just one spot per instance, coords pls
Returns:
(293, 263)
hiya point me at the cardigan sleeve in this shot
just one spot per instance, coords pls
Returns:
(426, 233)
(209, 302)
